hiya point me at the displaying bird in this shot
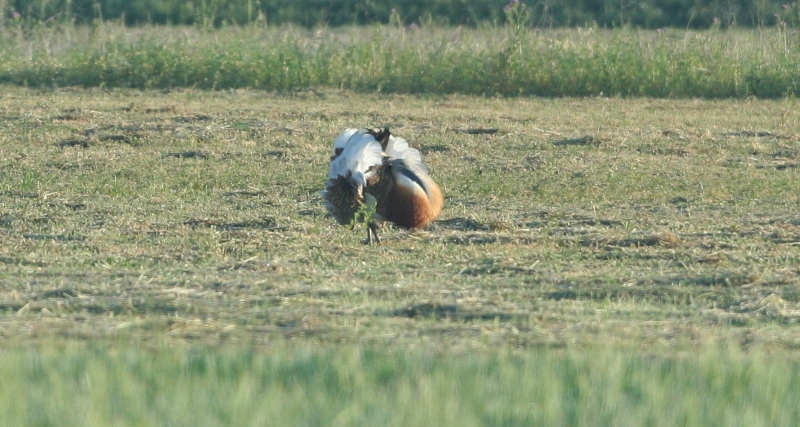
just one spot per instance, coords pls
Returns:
(375, 177)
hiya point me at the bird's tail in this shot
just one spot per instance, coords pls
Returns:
(398, 148)
(358, 154)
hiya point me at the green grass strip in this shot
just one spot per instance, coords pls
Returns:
(101, 386)
(492, 61)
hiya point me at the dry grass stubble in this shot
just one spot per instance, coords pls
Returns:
(195, 216)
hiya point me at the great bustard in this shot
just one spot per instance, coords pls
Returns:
(374, 177)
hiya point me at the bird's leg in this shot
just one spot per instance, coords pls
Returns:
(372, 230)
(371, 218)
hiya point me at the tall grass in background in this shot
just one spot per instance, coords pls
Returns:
(393, 59)
(314, 13)
(90, 385)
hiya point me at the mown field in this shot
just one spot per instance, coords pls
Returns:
(165, 259)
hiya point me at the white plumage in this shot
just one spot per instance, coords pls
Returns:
(398, 148)
(359, 152)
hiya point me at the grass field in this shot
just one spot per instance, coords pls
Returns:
(508, 61)
(599, 261)
(99, 386)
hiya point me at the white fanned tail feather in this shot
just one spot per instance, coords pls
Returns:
(398, 148)
(355, 155)
(341, 140)
(360, 152)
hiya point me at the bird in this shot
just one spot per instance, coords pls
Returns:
(376, 177)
